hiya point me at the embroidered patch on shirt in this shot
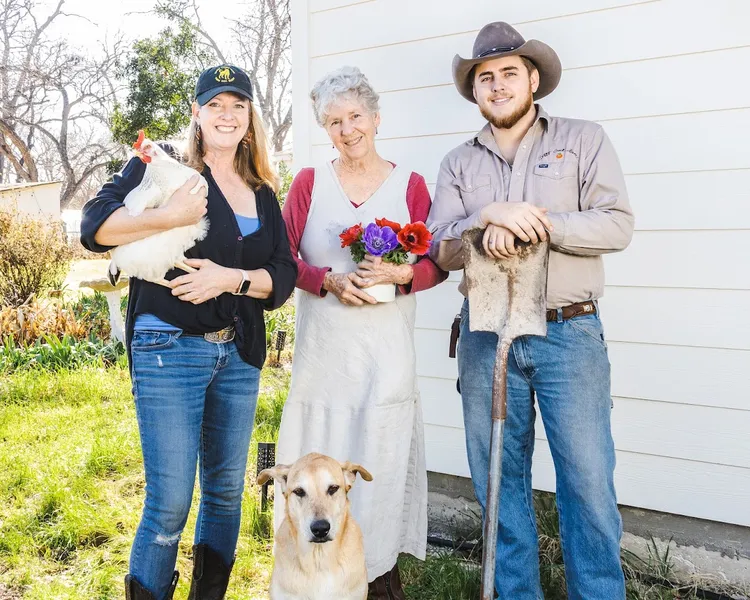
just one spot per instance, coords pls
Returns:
(559, 155)
(544, 166)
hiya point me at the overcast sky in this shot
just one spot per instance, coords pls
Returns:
(105, 17)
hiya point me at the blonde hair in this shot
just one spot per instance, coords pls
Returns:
(251, 160)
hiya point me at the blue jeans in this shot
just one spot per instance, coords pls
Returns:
(569, 373)
(195, 402)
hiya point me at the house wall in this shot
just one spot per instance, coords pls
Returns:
(665, 80)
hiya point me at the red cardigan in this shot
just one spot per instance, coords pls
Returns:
(297, 206)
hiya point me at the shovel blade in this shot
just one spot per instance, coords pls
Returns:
(507, 297)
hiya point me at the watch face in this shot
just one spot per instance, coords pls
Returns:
(245, 286)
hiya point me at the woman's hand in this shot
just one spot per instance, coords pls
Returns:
(209, 281)
(342, 286)
(373, 270)
(183, 207)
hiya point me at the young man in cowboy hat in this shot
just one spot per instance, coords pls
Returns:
(531, 176)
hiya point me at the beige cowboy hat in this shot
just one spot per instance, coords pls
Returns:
(500, 39)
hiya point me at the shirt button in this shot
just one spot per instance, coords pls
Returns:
(557, 172)
(236, 319)
(519, 174)
(239, 238)
(524, 146)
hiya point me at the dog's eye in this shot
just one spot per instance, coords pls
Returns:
(332, 490)
(299, 492)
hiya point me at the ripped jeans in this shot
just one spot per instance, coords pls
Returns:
(195, 402)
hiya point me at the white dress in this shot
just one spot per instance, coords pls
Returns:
(354, 393)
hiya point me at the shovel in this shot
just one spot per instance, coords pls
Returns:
(509, 298)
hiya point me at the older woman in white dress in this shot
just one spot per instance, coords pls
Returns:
(354, 393)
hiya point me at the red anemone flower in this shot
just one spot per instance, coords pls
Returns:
(351, 235)
(415, 238)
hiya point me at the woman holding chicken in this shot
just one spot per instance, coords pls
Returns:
(196, 347)
(354, 392)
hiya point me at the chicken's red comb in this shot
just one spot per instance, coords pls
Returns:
(139, 141)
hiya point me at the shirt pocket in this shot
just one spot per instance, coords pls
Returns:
(476, 191)
(556, 186)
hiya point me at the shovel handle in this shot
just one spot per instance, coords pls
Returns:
(492, 511)
(500, 381)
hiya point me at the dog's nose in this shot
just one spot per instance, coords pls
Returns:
(320, 529)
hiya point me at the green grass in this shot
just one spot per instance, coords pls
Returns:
(71, 486)
(71, 490)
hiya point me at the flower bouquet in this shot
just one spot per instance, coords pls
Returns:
(393, 243)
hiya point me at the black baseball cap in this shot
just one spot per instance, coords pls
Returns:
(224, 78)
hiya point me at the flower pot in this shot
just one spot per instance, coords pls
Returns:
(382, 292)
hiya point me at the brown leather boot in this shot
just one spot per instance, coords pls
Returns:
(387, 587)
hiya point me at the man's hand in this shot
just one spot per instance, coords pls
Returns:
(528, 222)
(185, 208)
(342, 286)
(499, 242)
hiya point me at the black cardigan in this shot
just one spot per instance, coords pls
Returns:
(267, 248)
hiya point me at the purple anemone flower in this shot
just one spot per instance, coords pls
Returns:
(379, 240)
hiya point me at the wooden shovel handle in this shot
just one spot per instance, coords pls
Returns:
(500, 381)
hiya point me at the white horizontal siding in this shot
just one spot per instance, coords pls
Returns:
(699, 489)
(709, 141)
(697, 433)
(680, 317)
(675, 302)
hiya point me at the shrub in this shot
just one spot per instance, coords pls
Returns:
(34, 256)
(35, 319)
(285, 177)
(54, 354)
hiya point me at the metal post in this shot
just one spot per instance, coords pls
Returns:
(280, 342)
(266, 460)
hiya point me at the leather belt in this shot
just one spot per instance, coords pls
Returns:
(216, 337)
(568, 312)
(574, 310)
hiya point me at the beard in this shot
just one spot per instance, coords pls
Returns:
(510, 120)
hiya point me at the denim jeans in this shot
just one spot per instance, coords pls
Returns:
(195, 402)
(568, 371)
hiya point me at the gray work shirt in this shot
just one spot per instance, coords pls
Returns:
(566, 165)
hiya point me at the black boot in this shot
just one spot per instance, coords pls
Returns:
(135, 591)
(210, 574)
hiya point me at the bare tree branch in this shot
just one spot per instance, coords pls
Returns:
(53, 101)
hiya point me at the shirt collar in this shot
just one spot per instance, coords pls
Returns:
(484, 136)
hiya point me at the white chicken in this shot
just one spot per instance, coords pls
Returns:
(151, 257)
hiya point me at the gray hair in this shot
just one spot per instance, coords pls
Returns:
(346, 81)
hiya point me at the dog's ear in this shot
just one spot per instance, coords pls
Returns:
(278, 474)
(350, 473)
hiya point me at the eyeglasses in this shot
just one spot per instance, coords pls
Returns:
(497, 49)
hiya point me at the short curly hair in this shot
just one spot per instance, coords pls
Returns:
(344, 82)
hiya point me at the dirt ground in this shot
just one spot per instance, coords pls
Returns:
(8, 594)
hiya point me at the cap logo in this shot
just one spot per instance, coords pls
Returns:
(224, 75)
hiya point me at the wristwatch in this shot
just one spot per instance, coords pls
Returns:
(244, 286)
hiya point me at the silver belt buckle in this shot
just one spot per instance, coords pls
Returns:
(220, 337)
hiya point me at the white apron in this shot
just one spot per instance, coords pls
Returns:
(354, 393)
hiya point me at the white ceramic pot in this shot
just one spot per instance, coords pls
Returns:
(382, 292)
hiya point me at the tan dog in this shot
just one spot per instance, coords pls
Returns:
(319, 554)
